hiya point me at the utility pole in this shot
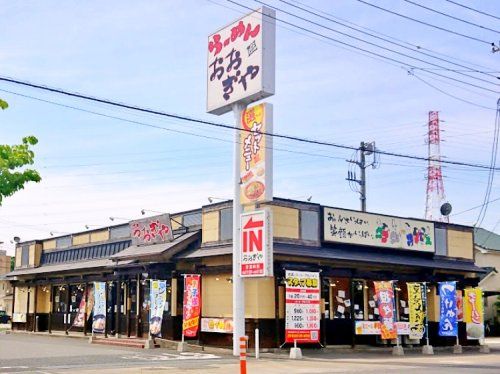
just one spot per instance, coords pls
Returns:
(359, 185)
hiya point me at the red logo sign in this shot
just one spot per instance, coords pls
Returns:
(255, 241)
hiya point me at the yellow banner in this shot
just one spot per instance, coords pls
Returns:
(256, 154)
(473, 305)
(417, 312)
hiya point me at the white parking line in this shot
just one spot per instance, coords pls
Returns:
(171, 356)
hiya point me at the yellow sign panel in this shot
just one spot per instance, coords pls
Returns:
(416, 306)
(256, 155)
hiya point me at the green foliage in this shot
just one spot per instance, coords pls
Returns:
(12, 158)
(3, 104)
(12, 263)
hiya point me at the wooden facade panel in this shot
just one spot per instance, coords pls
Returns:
(21, 300)
(98, 236)
(19, 251)
(177, 223)
(433, 305)
(81, 239)
(259, 298)
(43, 300)
(285, 222)
(460, 244)
(49, 244)
(216, 297)
(219, 261)
(32, 255)
(210, 224)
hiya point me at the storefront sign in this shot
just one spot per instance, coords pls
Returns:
(256, 154)
(241, 61)
(158, 297)
(99, 320)
(373, 328)
(351, 227)
(302, 306)
(220, 325)
(256, 258)
(151, 230)
(19, 317)
(473, 313)
(191, 306)
(417, 312)
(448, 325)
(385, 303)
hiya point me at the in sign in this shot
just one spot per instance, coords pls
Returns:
(256, 244)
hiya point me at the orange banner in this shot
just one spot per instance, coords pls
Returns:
(191, 305)
(385, 302)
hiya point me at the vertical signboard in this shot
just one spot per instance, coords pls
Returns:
(417, 314)
(256, 258)
(151, 230)
(302, 302)
(158, 297)
(473, 313)
(191, 305)
(99, 320)
(385, 303)
(256, 154)
(448, 325)
(240, 64)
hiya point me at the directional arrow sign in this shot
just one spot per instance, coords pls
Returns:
(256, 244)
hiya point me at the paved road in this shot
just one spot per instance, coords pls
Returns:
(21, 353)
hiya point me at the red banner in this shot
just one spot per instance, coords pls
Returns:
(191, 305)
(385, 302)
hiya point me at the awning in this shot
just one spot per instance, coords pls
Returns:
(357, 255)
(64, 267)
(166, 250)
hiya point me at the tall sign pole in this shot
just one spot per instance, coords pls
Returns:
(240, 71)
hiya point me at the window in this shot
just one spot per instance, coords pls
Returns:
(63, 242)
(226, 224)
(25, 255)
(119, 232)
(59, 305)
(440, 241)
(309, 224)
(192, 219)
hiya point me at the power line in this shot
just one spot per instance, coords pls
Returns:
(474, 207)
(389, 41)
(379, 46)
(450, 16)
(215, 124)
(427, 24)
(472, 9)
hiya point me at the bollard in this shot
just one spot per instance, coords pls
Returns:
(295, 353)
(243, 355)
(257, 344)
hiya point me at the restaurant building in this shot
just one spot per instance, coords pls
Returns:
(349, 249)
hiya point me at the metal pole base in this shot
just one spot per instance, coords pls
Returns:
(427, 350)
(398, 350)
(484, 349)
(295, 353)
(182, 347)
(457, 348)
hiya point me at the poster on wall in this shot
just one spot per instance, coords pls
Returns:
(473, 313)
(416, 309)
(256, 154)
(241, 61)
(191, 305)
(373, 328)
(158, 297)
(302, 302)
(448, 324)
(385, 302)
(220, 325)
(256, 256)
(84, 308)
(99, 320)
(352, 227)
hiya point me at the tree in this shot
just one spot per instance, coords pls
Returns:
(12, 263)
(12, 158)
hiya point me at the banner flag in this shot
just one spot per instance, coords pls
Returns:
(417, 313)
(99, 320)
(158, 297)
(191, 305)
(473, 313)
(448, 324)
(84, 308)
(385, 303)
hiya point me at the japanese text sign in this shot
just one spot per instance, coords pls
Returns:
(302, 300)
(373, 328)
(256, 254)
(151, 230)
(99, 317)
(158, 297)
(417, 313)
(241, 61)
(191, 305)
(473, 313)
(448, 324)
(256, 155)
(385, 303)
(220, 325)
(352, 227)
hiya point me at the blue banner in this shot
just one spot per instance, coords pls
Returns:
(158, 297)
(448, 325)
(99, 320)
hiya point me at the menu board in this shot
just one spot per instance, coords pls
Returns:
(303, 313)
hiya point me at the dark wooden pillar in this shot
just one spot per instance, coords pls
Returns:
(106, 308)
(66, 312)
(27, 307)
(118, 307)
(353, 319)
(138, 305)
(35, 299)
(51, 307)
(85, 316)
(277, 309)
(13, 305)
(127, 305)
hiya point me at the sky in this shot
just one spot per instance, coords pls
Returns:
(98, 161)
